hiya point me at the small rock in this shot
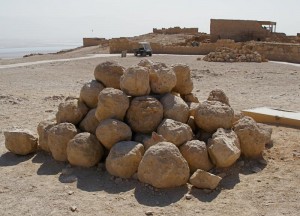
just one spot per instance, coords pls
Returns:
(149, 213)
(69, 179)
(73, 208)
(256, 169)
(188, 196)
(70, 192)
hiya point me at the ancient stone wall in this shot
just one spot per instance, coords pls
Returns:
(175, 30)
(238, 30)
(95, 42)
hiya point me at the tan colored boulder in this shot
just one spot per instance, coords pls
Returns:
(196, 154)
(267, 131)
(190, 98)
(90, 122)
(154, 139)
(89, 93)
(109, 73)
(71, 111)
(175, 132)
(135, 81)
(237, 116)
(184, 84)
(224, 148)
(205, 180)
(252, 138)
(146, 63)
(162, 80)
(58, 138)
(124, 158)
(163, 166)
(20, 141)
(84, 150)
(192, 108)
(211, 115)
(175, 108)
(111, 131)
(112, 103)
(43, 130)
(218, 95)
(144, 114)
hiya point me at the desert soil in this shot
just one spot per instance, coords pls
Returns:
(38, 185)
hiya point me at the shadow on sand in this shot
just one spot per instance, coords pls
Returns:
(10, 159)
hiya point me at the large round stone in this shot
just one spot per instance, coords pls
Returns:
(162, 80)
(211, 115)
(163, 166)
(175, 132)
(84, 150)
(112, 103)
(71, 111)
(184, 84)
(195, 153)
(135, 81)
(144, 114)
(124, 158)
(20, 141)
(109, 74)
(89, 93)
(43, 131)
(58, 138)
(111, 131)
(175, 108)
(89, 123)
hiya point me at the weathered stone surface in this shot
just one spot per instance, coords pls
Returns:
(205, 180)
(195, 153)
(163, 166)
(109, 74)
(175, 132)
(144, 114)
(146, 63)
(135, 81)
(89, 93)
(71, 111)
(112, 103)
(124, 158)
(58, 138)
(192, 108)
(184, 84)
(190, 98)
(90, 122)
(175, 108)
(224, 148)
(237, 116)
(211, 115)
(162, 80)
(154, 139)
(218, 95)
(43, 129)
(20, 141)
(191, 122)
(84, 150)
(111, 131)
(252, 138)
(266, 130)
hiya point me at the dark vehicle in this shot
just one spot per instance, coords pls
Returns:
(143, 50)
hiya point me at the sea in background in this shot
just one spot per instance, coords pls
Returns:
(15, 48)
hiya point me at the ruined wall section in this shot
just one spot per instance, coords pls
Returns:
(95, 42)
(237, 30)
(175, 30)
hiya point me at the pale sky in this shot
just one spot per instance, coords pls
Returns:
(70, 20)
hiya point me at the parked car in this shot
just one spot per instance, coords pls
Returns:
(143, 50)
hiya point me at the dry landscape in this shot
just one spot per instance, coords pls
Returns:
(36, 184)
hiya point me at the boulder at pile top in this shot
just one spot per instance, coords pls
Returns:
(224, 148)
(163, 166)
(162, 80)
(252, 138)
(109, 74)
(58, 138)
(218, 95)
(144, 114)
(184, 84)
(20, 141)
(112, 103)
(71, 111)
(84, 150)
(205, 180)
(211, 115)
(89, 93)
(124, 158)
(111, 131)
(43, 130)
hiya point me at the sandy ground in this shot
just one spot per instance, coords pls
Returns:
(35, 185)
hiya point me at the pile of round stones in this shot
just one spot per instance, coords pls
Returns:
(144, 121)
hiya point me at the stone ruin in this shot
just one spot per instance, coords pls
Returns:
(144, 122)
(243, 54)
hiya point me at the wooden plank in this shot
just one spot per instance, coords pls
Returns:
(274, 116)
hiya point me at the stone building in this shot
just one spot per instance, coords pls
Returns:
(241, 30)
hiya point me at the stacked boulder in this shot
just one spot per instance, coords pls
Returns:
(145, 121)
(243, 54)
